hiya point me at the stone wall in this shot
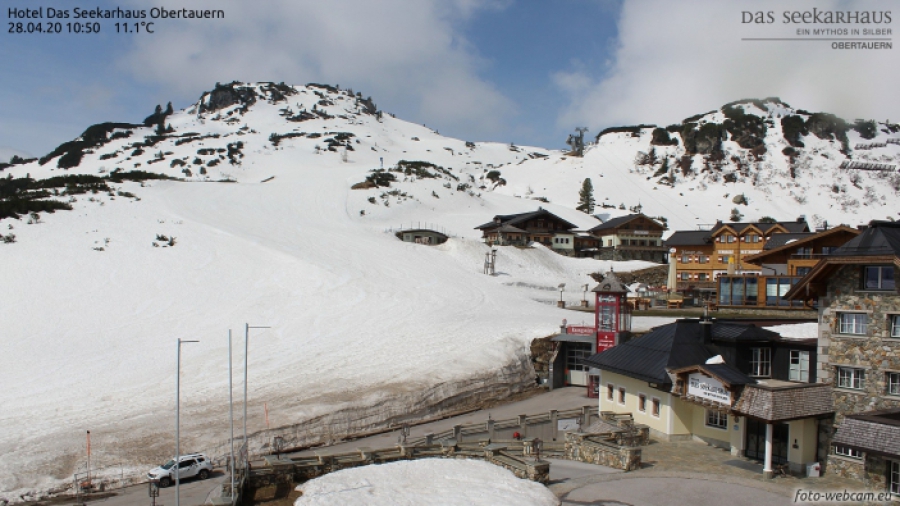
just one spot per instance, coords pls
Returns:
(875, 352)
(601, 450)
(870, 470)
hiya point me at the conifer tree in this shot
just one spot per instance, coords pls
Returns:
(586, 197)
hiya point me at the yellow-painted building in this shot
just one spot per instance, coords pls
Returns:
(731, 385)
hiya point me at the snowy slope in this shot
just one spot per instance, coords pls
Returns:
(358, 318)
(818, 189)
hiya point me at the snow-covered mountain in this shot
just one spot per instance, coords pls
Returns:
(761, 157)
(261, 229)
(240, 209)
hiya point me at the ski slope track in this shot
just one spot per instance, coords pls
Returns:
(365, 330)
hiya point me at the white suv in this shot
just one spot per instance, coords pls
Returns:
(195, 464)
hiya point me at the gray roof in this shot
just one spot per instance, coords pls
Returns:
(779, 240)
(611, 283)
(742, 332)
(689, 238)
(515, 219)
(877, 432)
(785, 403)
(880, 238)
(790, 226)
(649, 357)
(729, 373)
(615, 222)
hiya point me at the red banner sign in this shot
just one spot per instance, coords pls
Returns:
(576, 329)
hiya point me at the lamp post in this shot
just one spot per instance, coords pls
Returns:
(584, 302)
(562, 286)
(178, 422)
(247, 328)
(231, 414)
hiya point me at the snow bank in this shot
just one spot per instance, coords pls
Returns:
(431, 481)
(797, 330)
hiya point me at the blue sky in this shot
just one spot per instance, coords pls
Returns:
(519, 71)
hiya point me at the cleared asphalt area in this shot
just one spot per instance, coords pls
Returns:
(648, 491)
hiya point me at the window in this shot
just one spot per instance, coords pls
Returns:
(685, 276)
(799, 367)
(895, 325)
(894, 477)
(892, 383)
(704, 259)
(575, 355)
(622, 395)
(642, 403)
(716, 419)
(853, 323)
(703, 276)
(803, 271)
(655, 407)
(827, 250)
(879, 278)
(685, 259)
(847, 377)
(761, 362)
(847, 452)
(803, 253)
(610, 388)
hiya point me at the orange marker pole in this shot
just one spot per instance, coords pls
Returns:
(266, 406)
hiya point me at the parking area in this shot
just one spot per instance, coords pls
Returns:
(683, 473)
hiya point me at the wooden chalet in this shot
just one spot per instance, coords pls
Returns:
(630, 237)
(538, 226)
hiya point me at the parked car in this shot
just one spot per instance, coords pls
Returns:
(195, 464)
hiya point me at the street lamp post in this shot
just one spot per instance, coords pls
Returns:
(178, 422)
(247, 328)
(231, 414)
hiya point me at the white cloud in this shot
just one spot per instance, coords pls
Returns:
(407, 55)
(676, 59)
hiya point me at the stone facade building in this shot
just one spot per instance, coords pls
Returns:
(859, 353)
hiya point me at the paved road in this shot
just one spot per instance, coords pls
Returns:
(658, 491)
(193, 492)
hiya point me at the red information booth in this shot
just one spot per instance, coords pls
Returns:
(612, 318)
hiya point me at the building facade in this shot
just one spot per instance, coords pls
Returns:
(631, 237)
(702, 256)
(859, 353)
(728, 384)
(538, 226)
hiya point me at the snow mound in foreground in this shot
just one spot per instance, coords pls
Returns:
(429, 481)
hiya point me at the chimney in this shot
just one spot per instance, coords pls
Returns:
(801, 218)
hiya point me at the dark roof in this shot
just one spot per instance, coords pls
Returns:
(779, 240)
(648, 358)
(880, 238)
(689, 238)
(676, 346)
(877, 431)
(727, 372)
(742, 332)
(514, 219)
(621, 220)
(790, 402)
(790, 226)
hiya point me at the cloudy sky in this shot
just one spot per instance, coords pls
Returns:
(519, 71)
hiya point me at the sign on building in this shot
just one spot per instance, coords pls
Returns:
(701, 385)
